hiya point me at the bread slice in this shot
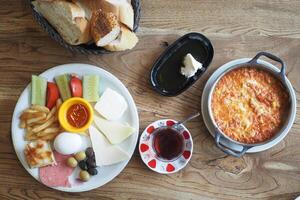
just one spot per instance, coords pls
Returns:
(105, 27)
(38, 153)
(126, 40)
(88, 6)
(67, 18)
(121, 8)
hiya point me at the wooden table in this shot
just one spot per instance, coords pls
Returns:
(236, 28)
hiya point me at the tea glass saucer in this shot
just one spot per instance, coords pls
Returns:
(151, 159)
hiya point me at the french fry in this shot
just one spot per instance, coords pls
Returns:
(48, 131)
(58, 103)
(45, 125)
(28, 115)
(22, 124)
(51, 113)
(40, 108)
(33, 126)
(40, 122)
(30, 135)
(29, 110)
(50, 136)
(36, 119)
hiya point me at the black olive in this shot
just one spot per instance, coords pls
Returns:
(89, 152)
(91, 162)
(92, 171)
(83, 165)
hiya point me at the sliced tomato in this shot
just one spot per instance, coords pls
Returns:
(76, 86)
(52, 94)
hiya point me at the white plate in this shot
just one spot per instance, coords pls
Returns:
(210, 126)
(105, 174)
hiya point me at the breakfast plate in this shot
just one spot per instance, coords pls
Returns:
(130, 116)
(209, 124)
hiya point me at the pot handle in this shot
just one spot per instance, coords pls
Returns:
(272, 57)
(227, 150)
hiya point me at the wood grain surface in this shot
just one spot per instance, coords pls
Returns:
(236, 28)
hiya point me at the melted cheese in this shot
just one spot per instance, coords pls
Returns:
(39, 154)
(249, 105)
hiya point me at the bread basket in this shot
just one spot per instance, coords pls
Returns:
(82, 48)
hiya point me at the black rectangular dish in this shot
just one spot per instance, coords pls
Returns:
(165, 75)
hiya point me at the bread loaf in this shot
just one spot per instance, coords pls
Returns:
(67, 18)
(88, 6)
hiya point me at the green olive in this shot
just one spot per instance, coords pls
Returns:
(84, 175)
(80, 156)
(72, 162)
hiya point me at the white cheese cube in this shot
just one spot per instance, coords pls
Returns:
(111, 105)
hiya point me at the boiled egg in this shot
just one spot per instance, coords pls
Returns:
(67, 143)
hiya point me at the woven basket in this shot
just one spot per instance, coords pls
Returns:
(82, 48)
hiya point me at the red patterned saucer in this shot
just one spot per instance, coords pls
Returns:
(150, 157)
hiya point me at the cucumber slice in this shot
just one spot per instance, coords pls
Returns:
(38, 90)
(62, 82)
(91, 88)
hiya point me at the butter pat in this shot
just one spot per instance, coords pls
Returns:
(190, 66)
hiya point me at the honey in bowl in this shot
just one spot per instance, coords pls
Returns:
(168, 143)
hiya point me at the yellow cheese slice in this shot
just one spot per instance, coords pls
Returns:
(115, 132)
(105, 153)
